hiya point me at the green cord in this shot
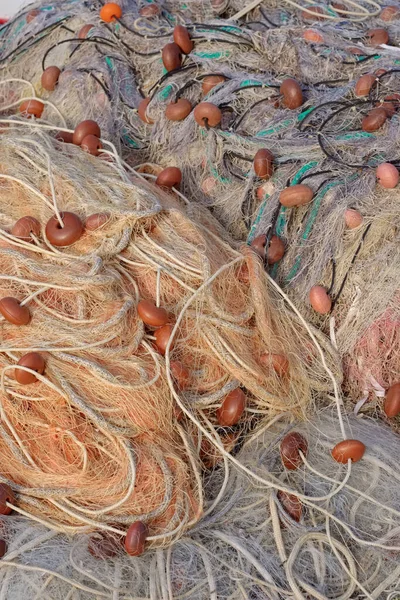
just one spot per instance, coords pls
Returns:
(311, 220)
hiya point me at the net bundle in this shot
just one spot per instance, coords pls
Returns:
(204, 305)
(323, 530)
(136, 314)
(318, 94)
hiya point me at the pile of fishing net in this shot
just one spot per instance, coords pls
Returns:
(323, 530)
(199, 231)
(320, 103)
(130, 312)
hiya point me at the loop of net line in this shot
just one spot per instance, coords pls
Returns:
(87, 406)
(246, 562)
(159, 278)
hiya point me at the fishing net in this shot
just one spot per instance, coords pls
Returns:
(176, 358)
(96, 442)
(336, 538)
(320, 141)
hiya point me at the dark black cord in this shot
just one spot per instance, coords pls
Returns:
(333, 277)
(308, 175)
(264, 16)
(321, 185)
(360, 60)
(240, 156)
(320, 138)
(236, 124)
(166, 17)
(192, 82)
(7, 25)
(67, 29)
(35, 38)
(330, 103)
(166, 76)
(351, 264)
(261, 86)
(101, 84)
(80, 42)
(256, 23)
(229, 167)
(351, 63)
(331, 81)
(185, 87)
(157, 52)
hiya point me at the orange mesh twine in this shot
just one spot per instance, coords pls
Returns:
(95, 444)
(375, 364)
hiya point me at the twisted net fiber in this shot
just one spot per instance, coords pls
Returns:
(105, 77)
(95, 443)
(101, 418)
(345, 545)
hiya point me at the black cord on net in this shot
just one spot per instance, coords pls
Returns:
(157, 52)
(321, 185)
(240, 156)
(101, 84)
(394, 101)
(128, 65)
(352, 63)
(327, 81)
(333, 277)
(360, 60)
(80, 42)
(335, 158)
(289, 179)
(350, 267)
(67, 29)
(264, 16)
(308, 175)
(261, 86)
(121, 41)
(154, 88)
(228, 108)
(270, 233)
(348, 105)
(308, 116)
(229, 167)
(183, 89)
(166, 17)
(6, 26)
(245, 207)
(192, 82)
(251, 69)
(236, 124)
(388, 72)
(256, 23)
(35, 38)
(320, 140)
